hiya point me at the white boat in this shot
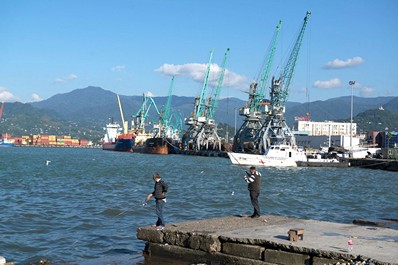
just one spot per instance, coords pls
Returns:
(280, 155)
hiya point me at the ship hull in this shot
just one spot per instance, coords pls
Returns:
(121, 145)
(159, 146)
(3, 144)
(275, 156)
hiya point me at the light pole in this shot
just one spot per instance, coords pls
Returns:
(351, 83)
(235, 121)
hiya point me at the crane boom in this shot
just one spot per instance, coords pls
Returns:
(261, 92)
(202, 100)
(214, 100)
(291, 63)
(166, 110)
(121, 115)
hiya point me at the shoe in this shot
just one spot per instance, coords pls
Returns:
(160, 228)
(254, 216)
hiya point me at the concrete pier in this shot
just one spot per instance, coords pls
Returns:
(265, 240)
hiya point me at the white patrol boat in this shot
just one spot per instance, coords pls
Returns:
(279, 155)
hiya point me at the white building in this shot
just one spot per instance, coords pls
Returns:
(327, 128)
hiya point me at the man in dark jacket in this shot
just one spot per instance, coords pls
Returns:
(159, 193)
(253, 178)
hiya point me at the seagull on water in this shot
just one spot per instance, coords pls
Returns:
(47, 162)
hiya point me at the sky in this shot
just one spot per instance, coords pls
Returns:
(132, 47)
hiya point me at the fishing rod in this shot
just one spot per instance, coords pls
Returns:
(240, 165)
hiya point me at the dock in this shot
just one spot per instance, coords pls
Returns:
(268, 240)
(375, 163)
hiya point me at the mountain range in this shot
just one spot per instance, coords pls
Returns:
(84, 112)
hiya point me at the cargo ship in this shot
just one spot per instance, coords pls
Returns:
(116, 141)
(157, 145)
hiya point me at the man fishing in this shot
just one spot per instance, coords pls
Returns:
(159, 193)
(253, 178)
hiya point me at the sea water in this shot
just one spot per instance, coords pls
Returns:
(83, 206)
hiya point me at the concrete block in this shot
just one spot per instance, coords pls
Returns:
(176, 238)
(150, 235)
(191, 256)
(246, 251)
(204, 242)
(175, 252)
(323, 261)
(286, 258)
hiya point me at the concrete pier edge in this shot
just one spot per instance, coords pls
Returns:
(243, 240)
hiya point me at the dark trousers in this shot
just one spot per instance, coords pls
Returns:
(159, 212)
(254, 199)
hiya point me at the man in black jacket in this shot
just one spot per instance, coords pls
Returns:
(159, 193)
(253, 178)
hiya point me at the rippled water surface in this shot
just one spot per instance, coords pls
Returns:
(87, 203)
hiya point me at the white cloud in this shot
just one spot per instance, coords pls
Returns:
(338, 64)
(6, 95)
(70, 77)
(35, 97)
(197, 72)
(118, 68)
(149, 93)
(332, 83)
(365, 91)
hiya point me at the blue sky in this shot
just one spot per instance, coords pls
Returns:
(133, 47)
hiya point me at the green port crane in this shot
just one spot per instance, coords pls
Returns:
(275, 130)
(280, 91)
(202, 131)
(201, 107)
(142, 113)
(263, 128)
(165, 112)
(169, 125)
(260, 93)
(213, 100)
(247, 136)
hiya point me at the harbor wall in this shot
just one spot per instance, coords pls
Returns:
(242, 240)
